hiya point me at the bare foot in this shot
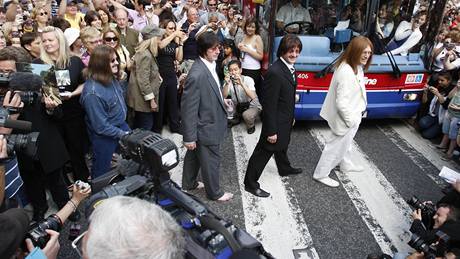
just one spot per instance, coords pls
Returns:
(226, 197)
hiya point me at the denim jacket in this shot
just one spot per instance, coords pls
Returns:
(105, 108)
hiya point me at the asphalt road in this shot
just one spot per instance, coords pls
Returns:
(304, 219)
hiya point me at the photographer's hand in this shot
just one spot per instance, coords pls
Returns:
(13, 102)
(3, 148)
(456, 185)
(51, 249)
(417, 214)
(79, 195)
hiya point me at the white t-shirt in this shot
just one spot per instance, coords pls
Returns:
(242, 96)
(438, 63)
(288, 13)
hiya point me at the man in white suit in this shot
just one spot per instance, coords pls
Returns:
(343, 109)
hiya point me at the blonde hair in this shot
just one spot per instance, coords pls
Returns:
(63, 59)
(150, 44)
(88, 33)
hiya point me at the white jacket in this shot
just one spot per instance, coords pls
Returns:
(346, 99)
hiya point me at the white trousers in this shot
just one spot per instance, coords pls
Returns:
(337, 150)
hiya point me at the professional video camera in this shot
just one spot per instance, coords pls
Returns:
(428, 210)
(147, 178)
(25, 143)
(430, 249)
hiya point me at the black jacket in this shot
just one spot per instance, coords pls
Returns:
(278, 92)
(52, 153)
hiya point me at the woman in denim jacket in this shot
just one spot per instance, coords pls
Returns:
(102, 99)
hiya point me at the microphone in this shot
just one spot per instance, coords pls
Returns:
(25, 81)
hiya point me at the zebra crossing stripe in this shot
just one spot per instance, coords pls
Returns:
(383, 210)
(277, 222)
(414, 139)
(413, 148)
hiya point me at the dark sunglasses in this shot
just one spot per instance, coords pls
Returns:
(196, 2)
(108, 39)
(43, 13)
(212, 4)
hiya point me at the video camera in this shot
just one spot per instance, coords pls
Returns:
(428, 210)
(430, 249)
(13, 81)
(150, 159)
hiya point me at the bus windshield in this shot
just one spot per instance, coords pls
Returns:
(388, 23)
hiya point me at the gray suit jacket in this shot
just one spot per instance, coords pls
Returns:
(203, 114)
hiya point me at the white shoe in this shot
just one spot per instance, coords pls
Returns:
(328, 181)
(352, 168)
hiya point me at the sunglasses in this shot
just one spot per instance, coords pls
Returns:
(171, 28)
(43, 13)
(109, 39)
(196, 2)
(212, 4)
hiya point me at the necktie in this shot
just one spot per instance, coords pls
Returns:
(293, 73)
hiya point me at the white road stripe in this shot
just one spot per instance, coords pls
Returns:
(265, 217)
(419, 150)
(383, 210)
(420, 144)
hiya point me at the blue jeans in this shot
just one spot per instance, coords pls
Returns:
(430, 126)
(143, 120)
(103, 149)
(450, 126)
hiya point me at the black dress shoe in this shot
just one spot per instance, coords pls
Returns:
(292, 171)
(257, 192)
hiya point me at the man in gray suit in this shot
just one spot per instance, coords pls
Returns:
(204, 121)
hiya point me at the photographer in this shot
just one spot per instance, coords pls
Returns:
(243, 94)
(446, 220)
(13, 180)
(147, 231)
(14, 227)
(44, 169)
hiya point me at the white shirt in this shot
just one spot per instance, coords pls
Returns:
(288, 13)
(212, 68)
(290, 66)
(403, 31)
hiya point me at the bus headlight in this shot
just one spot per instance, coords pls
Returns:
(410, 97)
(297, 98)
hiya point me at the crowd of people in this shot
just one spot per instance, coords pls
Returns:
(195, 67)
(119, 66)
(439, 113)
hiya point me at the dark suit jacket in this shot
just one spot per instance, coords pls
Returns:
(278, 91)
(204, 118)
(130, 40)
(51, 152)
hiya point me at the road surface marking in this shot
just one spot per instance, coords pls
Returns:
(277, 222)
(384, 211)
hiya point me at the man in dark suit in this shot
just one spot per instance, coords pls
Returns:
(128, 37)
(278, 102)
(204, 121)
